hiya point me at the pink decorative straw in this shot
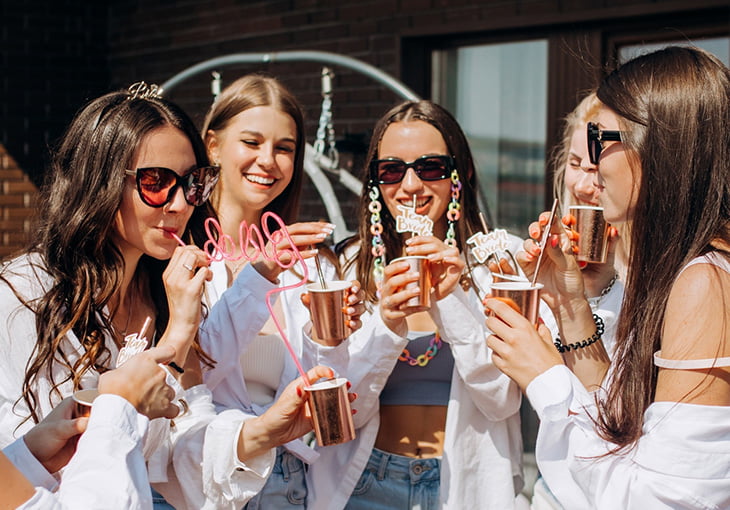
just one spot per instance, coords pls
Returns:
(220, 246)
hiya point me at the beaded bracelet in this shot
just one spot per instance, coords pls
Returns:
(585, 343)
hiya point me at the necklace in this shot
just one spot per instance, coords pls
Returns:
(595, 301)
(422, 359)
(129, 311)
(235, 268)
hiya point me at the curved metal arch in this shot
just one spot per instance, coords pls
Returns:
(323, 57)
(314, 162)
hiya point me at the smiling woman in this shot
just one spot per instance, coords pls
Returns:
(99, 270)
(255, 132)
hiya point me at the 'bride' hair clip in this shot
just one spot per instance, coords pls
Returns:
(141, 90)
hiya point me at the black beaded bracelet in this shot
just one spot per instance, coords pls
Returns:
(177, 368)
(585, 343)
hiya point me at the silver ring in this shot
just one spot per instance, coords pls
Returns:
(189, 268)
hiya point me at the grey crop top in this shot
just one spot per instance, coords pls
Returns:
(429, 385)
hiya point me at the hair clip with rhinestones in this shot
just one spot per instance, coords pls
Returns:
(142, 90)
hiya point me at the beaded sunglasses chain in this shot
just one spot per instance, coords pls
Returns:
(453, 214)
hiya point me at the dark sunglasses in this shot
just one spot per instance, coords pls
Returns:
(157, 185)
(596, 137)
(427, 168)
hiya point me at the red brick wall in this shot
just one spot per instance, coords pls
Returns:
(17, 204)
(55, 55)
(155, 39)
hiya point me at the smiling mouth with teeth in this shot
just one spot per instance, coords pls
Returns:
(419, 203)
(267, 181)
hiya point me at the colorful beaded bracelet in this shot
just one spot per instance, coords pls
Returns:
(585, 343)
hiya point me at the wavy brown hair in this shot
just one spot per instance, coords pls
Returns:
(674, 105)
(78, 204)
(458, 147)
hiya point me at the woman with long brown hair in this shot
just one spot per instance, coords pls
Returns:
(129, 178)
(655, 433)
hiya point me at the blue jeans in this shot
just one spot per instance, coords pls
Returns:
(285, 488)
(159, 503)
(393, 481)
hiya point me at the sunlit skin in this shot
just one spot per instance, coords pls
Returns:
(414, 431)
(256, 152)
(617, 185)
(409, 141)
(140, 229)
(579, 182)
(579, 171)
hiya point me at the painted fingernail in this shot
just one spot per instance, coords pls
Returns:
(554, 241)
(299, 392)
(322, 235)
(349, 385)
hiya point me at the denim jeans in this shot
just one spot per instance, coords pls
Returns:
(159, 503)
(393, 481)
(285, 488)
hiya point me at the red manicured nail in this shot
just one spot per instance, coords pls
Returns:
(299, 392)
(349, 385)
(554, 241)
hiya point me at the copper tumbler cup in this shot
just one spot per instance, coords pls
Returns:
(423, 300)
(522, 296)
(327, 308)
(331, 412)
(593, 230)
(83, 399)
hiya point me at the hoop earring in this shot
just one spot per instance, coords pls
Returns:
(376, 230)
(454, 211)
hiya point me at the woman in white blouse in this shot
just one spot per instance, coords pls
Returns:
(128, 179)
(656, 432)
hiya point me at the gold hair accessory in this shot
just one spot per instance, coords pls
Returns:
(141, 90)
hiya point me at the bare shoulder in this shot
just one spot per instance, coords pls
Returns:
(697, 319)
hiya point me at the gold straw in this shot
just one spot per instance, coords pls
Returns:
(322, 283)
(484, 222)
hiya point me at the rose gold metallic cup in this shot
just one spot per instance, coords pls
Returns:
(327, 308)
(423, 300)
(522, 296)
(331, 412)
(83, 399)
(593, 230)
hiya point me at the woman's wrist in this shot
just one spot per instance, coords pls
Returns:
(254, 440)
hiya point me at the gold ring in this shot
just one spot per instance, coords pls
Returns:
(189, 267)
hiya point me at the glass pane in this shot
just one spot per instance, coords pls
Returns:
(498, 93)
(719, 46)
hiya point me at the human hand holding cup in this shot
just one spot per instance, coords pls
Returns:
(419, 265)
(327, 307)
(141, 381)
(329, 405)
(522, 296)
(592, 229)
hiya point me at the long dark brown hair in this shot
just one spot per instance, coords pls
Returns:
(674, 105)
(73, 244)
(255, 90)
(458, 147)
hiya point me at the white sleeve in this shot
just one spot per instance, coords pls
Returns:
(108, 469)
(205, 472)
(462, 325)
(233, 322)
(669, 468)
(18, 453)
(366, 359)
